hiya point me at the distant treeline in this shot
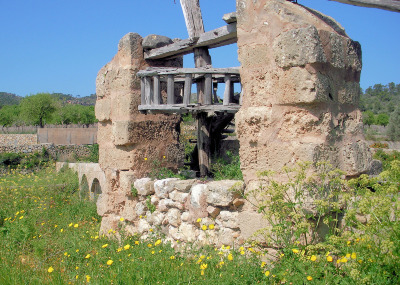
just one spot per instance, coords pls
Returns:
(45, 108)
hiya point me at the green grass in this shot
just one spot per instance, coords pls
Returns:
(47, 226)
(48, 235)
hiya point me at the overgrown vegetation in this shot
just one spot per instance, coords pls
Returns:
(24, 161)
(45, 108)
(331, 231)
(227, 168)
(48, 235)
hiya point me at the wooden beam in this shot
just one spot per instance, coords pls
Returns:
(182, 109)
(219, 37)
(390, 5)
(170, 89)
(193, 19)
(152, 71)
(187, 89)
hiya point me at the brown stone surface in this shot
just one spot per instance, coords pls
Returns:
(129, 141)
(300, 79)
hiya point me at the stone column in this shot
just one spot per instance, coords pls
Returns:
(129, 141)
(300, 76)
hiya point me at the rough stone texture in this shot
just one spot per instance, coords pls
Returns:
(129, 141)
(18, 139)
(300, 79)
(220, 193)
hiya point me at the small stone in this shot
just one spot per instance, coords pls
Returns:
(238, 202)
(166, 204)
(183, 185)
(143, 226)
(178, 196)
(173, 217)
(155, 41)
(185, 216)
(140, 209)
(143, 186)
(164, 187)
(188, 232)
(213, 211)
(229, 219)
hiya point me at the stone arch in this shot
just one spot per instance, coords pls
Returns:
(84, 187)
(95, 190)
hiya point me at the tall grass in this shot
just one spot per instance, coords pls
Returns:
(48, 235)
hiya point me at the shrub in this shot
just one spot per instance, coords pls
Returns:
(223, 169)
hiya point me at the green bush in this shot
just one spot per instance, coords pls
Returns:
(223, 169)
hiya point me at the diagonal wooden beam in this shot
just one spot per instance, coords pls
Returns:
(219, 37)
(390, 5)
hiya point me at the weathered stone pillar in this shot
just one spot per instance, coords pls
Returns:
(300, 76)
(130, 142)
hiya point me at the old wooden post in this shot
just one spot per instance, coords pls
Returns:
(194, 24)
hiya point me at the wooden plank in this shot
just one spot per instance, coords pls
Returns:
(225, 35)
(157, 90)
(390, 5)
(203, 143)
(208, 89)
(151, 71)
(170, 89)
(148, 90)
(181, 108)
(193, 19)
(227, 92)
(187, 89)
(142, 91)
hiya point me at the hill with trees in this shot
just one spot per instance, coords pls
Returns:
(9, 99)
(45, 108)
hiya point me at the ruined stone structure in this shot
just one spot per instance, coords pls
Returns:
(300, 81)
(300, 75)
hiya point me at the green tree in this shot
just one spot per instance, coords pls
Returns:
(382, 119)
(9, 115)
(394, 125)
(39, 108)
(368, 118)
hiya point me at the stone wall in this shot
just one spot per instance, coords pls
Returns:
(18, 139)
(300, 77)
(67, 136)
(61, 152)
(184, 210)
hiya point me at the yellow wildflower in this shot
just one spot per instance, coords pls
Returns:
(157, 242)
(87, 278)
(262, 264)
(137, 242)
(126, 247)
(172, 257)
(203, 266)
(329, 258)
(109, 262)
(121, 219)
(267, 273)
(313, 258)
(295, 250)
(198, 220)
(51, 269)
(353, 255)
(104, 245)
(87, 256)
(344, 260)
(309, 278)
(230, 257)
(211, 227)
(76, 225)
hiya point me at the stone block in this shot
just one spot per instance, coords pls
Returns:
(221, 193)
(173, 217)
(183, 185)
(250, 222)
(298, 47)
(165, 204)
(143, 226)
(156, 218)
(229, 219)
(213, 211)
(141, 209)
(103, 109)
(163, 187)
(188, 232)
(178, 196)
(144, 186)
(155, 41)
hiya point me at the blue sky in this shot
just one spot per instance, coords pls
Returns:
(60, 45)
